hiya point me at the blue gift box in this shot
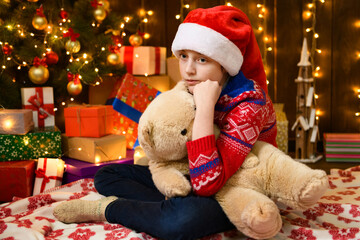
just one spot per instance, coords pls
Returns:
(77, 169)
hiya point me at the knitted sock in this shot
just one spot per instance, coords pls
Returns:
(76, 211)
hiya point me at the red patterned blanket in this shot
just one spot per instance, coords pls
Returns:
(335, 216)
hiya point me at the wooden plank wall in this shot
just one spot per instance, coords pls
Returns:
(337, 23)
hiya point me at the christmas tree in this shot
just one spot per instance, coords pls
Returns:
(59, 43)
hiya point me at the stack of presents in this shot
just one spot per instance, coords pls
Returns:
(35, 156)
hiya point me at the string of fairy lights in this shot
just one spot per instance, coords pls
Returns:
(54, 32)
(309, 18)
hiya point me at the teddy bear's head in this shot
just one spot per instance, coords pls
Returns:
(166, 124)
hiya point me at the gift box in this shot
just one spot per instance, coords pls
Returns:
(160, 82)
(16, 179)
(40, 142)
(144, 60)
(105, 92)
(131, 100)
(41, 101)
(342, 147)
(173, 70)
(94, 150)
(88, 121)
(16, 121)
(77, 169)
(282, 124)
(48, 174)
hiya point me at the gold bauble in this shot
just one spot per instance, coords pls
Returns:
(72, 46)
(100, 14)
(39, 22)
(38, 75)
(135, 40)
(113, 59)
(105, 4)
(74, 89)
(33, 0)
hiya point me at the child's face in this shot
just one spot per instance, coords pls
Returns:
(195, 68)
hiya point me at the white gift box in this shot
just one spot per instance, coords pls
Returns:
(48, 174)
(41, 101)
(144, 60)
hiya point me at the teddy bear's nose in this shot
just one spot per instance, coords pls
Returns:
(183, 132)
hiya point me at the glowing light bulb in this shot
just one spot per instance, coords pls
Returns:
(146, 35)
(177, 16)
(8, 124)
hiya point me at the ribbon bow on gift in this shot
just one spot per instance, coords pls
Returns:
(70, 33)
(41, 173)
(39, 105)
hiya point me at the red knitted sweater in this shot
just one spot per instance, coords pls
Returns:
(244, 114)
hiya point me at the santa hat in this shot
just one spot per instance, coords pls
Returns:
(224, 34)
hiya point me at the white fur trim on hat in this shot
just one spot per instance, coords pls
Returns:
(192, 36)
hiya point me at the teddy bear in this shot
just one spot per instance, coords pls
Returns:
(267, 177)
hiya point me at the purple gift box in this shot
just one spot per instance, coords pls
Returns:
(77, 169)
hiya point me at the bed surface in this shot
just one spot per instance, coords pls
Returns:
(335, 216)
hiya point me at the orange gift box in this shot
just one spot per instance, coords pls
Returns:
(88, 121)
(16, 179)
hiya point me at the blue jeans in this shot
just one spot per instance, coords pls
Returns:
(143, 208)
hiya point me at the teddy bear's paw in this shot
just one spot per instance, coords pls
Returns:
(261, 220)
(180, 189)
(313, 190)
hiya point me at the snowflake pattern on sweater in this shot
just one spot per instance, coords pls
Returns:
(244, 114)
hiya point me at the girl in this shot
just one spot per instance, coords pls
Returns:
(220, 61)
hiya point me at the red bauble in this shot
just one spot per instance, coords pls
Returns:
(64, 14)
(7, 49)
(51, 58)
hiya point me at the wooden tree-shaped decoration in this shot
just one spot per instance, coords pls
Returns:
(306, 130)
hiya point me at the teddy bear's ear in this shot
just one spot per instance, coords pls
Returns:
(181, 85)
(146, 135)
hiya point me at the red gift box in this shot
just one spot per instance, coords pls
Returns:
(88, 121)
(144, 60)
(131, 100)
(16, 179)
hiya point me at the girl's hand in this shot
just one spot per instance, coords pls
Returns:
(206, 94)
